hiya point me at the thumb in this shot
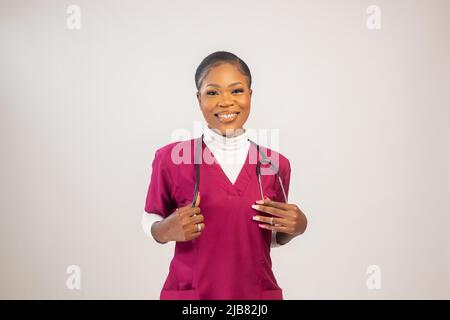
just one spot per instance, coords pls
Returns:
(197, 201)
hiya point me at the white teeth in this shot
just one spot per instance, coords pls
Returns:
(228, 116)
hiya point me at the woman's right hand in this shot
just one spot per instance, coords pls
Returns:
(181, 225)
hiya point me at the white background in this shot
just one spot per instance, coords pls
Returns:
(363, 118)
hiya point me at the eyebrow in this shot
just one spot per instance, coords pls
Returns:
(216, 85)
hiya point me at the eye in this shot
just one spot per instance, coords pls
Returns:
(238, 90)
(211, 92)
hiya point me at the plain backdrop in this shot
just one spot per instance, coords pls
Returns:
(363, 117)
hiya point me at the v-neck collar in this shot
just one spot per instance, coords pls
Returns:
(242, 180)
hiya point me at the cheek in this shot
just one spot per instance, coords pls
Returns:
(244, 101)
(207, 107)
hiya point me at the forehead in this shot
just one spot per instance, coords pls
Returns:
(224, 74)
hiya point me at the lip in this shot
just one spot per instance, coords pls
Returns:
(222, 119)
(226, 112)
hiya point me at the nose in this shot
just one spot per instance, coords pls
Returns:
(225, 102)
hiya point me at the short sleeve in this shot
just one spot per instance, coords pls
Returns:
(285, 174)
(159, 195)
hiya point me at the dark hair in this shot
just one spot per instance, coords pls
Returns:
(217, 58)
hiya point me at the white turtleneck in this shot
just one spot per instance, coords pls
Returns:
(230, 153)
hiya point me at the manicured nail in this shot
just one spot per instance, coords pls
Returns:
(262, 226)
(260, 201)
(255, 206)
(256, 218)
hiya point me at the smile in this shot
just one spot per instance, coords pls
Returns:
(226, 117)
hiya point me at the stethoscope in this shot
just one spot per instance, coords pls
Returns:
(264, 160)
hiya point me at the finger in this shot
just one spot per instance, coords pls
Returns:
(271, 210)
(182, 210)
(197, 228)
(271, 220)
(190, 212)
(273, 228)
(275, 204)
(197, 218)
(194, 236)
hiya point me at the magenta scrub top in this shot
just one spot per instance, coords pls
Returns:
(231, 258)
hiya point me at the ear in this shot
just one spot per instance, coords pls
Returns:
(251, 91)
(198, 96)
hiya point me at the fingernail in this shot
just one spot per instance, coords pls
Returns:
(260, 201)
(256, 218)
(254, 206)
(262, 226)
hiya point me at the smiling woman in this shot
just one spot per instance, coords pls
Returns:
(223, 241)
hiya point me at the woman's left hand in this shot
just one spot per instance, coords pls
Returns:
(287, 217)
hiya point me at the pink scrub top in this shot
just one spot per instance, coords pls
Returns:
(230, 260)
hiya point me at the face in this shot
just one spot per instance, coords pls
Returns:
(224, 98)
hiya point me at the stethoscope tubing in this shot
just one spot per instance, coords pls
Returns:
(198, 149)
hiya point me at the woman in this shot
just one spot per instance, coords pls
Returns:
(225, 231)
